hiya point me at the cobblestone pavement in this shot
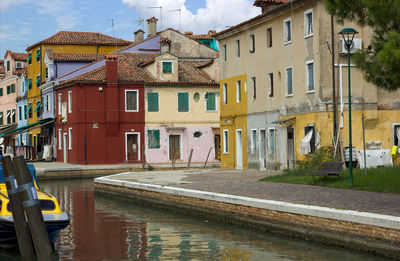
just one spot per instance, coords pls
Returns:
(245, 183)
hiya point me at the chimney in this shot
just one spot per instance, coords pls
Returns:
(267, 5)
(188, 33)
(111, 68)
(212, 33)
(151, 26)
(139, 35)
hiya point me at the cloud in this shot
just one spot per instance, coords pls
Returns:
(6, 3)
(63, 12)
(217, 14)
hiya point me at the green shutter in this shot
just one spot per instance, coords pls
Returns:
(13, 116)
(37, 106)
(13, 88)
(38, 80)
(167, 67)
(37, 57)
(210, 98)
(8, 66)
(30, 83)
(30, 58)
(152, 102)
(8, 89)
(183, 102)
(1, 91)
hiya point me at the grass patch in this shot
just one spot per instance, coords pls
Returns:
(384, 179)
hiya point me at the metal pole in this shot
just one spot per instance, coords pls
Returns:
(190, 158)
(350, 139)
(365, 154)
(333, 81)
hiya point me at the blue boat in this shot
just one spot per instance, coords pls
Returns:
(54, 218)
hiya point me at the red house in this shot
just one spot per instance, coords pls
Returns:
(100, 111)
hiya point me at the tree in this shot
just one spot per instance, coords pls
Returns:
(381, 60)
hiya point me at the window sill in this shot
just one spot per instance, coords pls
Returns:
(212, 111)
(289, 95)
(310, 92)
(287, 43)
(226, 153)
(308, 36)
(131, 110)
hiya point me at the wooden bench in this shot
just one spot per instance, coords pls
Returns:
(329, 168)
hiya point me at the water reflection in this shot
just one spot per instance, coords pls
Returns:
(104, 228)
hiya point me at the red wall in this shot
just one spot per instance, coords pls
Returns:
(105, 110)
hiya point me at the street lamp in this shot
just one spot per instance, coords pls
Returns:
(348, 36)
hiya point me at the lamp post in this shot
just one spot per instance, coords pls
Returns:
(348, 36)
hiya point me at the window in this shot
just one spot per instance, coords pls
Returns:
(396, 135)
(270, 85)
(70, 138)
(37, 57)
(153, 139)
(25, 111)
(38, 109)
(254, 145)
(47, 73)
(38, 80)
(152, 102)
(8, 66)
(238, 92)
(238, 48)
(167, 67)
(59, 104)
(183, 102)
(312, 141)
(211, 101)
(8, 117)
(13, 115)
(30, 111)
(8, 89)
(252, 44)
(225, 141)
(12, 88)
(310, 76)
(131, 100)
(30, 84)
(287, 29)
(253, 82)
(225, 93)
(1, 92)
(29, 61)
(69, 101)
(20, 113)
(269, 37)
(224, 51)
(59, 139)
(1, 118)
(271, 140)
(308, 23)
(289, 83)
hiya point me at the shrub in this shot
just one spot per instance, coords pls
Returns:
(317, 159)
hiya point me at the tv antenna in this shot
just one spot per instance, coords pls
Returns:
(160, 14)
(112, 23)
(180, 13)
(139, 21)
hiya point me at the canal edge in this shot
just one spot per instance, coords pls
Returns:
(367, 232)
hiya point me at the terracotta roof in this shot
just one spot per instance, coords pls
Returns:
(20, 71)
(1, 62)
(270, 2)
(208, 36)
(17, 56)
(287, 2)
(81, 38)
(77, 57)
(130, 69)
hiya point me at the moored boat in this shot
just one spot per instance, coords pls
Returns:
(55, 220)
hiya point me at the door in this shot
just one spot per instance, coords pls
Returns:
(239, 150)
(132, 147)
(263, 158)
(290, 142)
(217, 146)
(174, 147)
(65, 147)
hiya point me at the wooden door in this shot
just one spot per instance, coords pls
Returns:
(132, 147)
(217, 146)
(174, 147)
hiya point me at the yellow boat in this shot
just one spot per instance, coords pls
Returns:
(54, 218)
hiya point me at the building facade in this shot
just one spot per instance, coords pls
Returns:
(284, 58)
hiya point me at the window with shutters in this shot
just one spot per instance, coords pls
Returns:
(270, 80)
(30, 114)
(287, 29)
(167, 67)
(25, 111)
(30, 83)
(131, 100)
(238, 92)
(29, 58)
(38, 80)
(153, 139)
(12, 88)
(183, 102)
(152, 102)
(211, 101)
(289, 83)
(225, 140)
(8, 66)
(20, 113)
(238, 48)
(225, 93)
(37, 57)
(308, 23)
(310, 76)
(1, 92)
(252, 44)
(8, 117)
(8, 89)
(13, 116)
(1, 118)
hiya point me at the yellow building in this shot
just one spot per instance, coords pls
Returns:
(61, 42)
(233, 122)
(283, 57)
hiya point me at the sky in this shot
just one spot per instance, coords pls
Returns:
(26, 22)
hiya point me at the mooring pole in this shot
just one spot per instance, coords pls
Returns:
(365, 154)
(33, 212)
(208, 155)
(21, 227)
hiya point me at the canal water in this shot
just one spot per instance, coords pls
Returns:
(104, 228)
